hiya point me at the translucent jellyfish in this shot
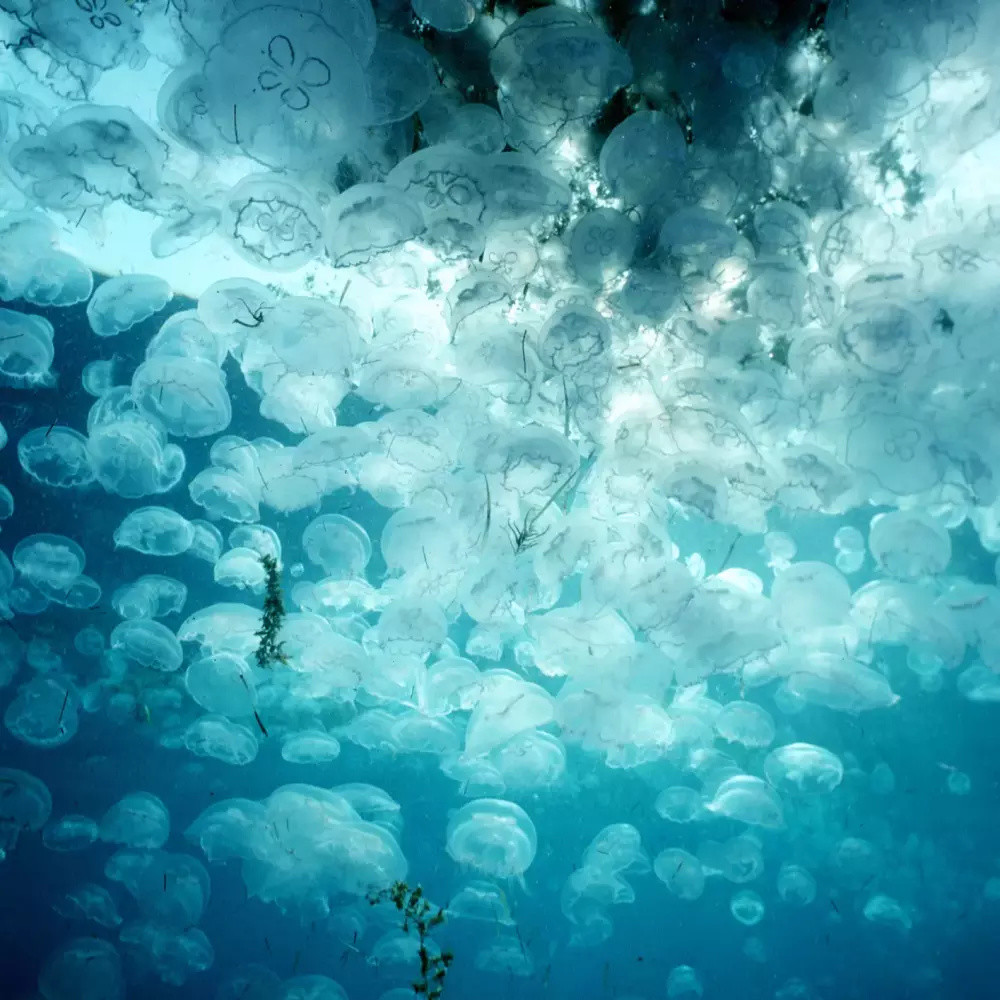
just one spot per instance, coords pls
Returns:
(85, 968)
(855, 862)
(895, 452)
(337, 544)
(131, 456)
(172, 889)
(531, 760)
(186, 395)
(223, 628)
(25, 804)
(232, 306)
(56, 456)
(368, 221)
(52, 563)
(803, 767)
(493, 836)
(258, 537)
(850, 546)
(747, 907)
(505, 956)
(840, 683)
(89, 902)
(207, 542)
(6, 500)
(137, 820)
(400, 77)
(576, 339)
(448, 186)
(222, 684)
(310, 747)
(100, 36)
(59, 279)
(746, 723)
(148, 644)
(151, 596)
(883, 909)
(241, 568)
(638, 156)
(272, 223)
(959, 783)
(683, 981)
(480, 901)
(225, 495)
(70, 833)
(476, 127)
(796, 886)
(909, 545)
(297, 85)
(125, 301)
(89, 641)
(748, 800)
(445, 15)
(44, 713)
(979, 683)
(373, 804)
(601, 245)
(171, 955)
(184, 227)
(809, 595)
(90, 155)
(883, 779)
(738, 860)
(679, 804)
(215, 736)
(26, 350)
(507, 706)
(41, 656)
(553, 70)
(30, 266)
(154, 531)
(680, 872)
(336, 851)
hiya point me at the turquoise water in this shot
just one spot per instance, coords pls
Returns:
(498, 501)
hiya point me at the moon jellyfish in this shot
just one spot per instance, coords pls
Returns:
(493, 836)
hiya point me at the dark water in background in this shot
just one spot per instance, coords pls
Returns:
(828, 945)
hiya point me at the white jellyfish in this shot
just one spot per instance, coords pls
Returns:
(803, 767)
(148, 644)
(56, 456)
(747, 908)
(493, 836)
(679, 804)
(796, 886)
(85, 968)
(137, 820)
(70, 833)
(746, 723)
(121, 303)
(26, 350)
(682, 873)
(155, 531)
(337, 544)
(215, 736)
(683, 981)
(25, 804)
(310, 747)
(749, 800)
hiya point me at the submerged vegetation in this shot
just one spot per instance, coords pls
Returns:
(270, 649)
(419, 915)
